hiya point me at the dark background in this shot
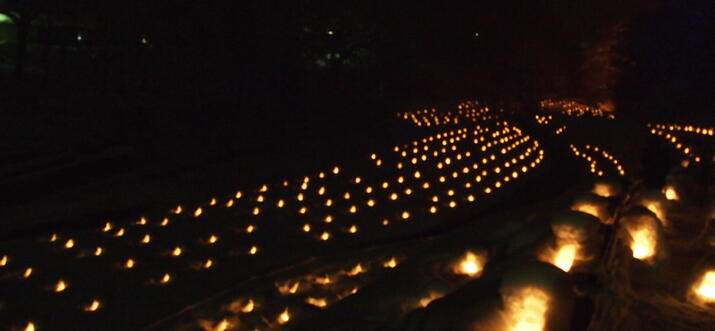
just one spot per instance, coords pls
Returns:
(179, 84)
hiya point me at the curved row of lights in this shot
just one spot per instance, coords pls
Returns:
(574, 109)
(593, 163)
(497, 145)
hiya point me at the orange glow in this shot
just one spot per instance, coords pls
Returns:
(129, 264)
(146, 239)
(405, 215)
(165, 222)
(253, 250)
(526, 310)
(107, 227)
(323, 280)
(177, 210)
(250, 228)
(165, 279)
(3, 261)
(98, 251)
(604, 190)
(142, 221)
(643, 242)
(671, 193)
(93, 306)
(306, 228)
(284, 317)
(69, 243)
(60, 286)
(565, 256)
(471, 265)
(198, 212)
(288, 288)
(30, 327)
(325, 236)
(212, 239)
(208, 263)
(119, 232)
(27, 273)
(248, 307)
(391, 263)
(356, 270)
(176, 251)
(353, 229)
(318, 302)
(705, 289)
(425, 301)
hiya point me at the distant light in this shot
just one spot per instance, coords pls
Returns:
(5, 19)
(144, 41)
(79, 37)
(330, 32)
(476, 34)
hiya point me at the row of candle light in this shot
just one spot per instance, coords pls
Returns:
(593, 164)
(573, 108)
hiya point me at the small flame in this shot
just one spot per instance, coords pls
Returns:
(253, 250)
(643, 243)
(706, 288)
(356, 270)
(284, 317)
(526, 311)
(119, 232)
(306, 228)
(198, 212)
(98, 251)
(603, 190)
(212, 202)
(30, 327)
(177, 210)
(323, 280)
(353, 229)
(93, 306)
(325, 236)
(250, 228)
(208, 263)
(213, 239)
(565, 256)
(288, 288)
(69, 244)
(27, 273)
(146, 239)
(424, 302)
(129, 264)
(391, 263)
(107, 227)
(53, 238)
(471, 265)
(141, 221)
(405, 215)
(61, 286)
(3, 261)
(671, 193)
(248, 307)
(318, 302)
(165, 221)
(176, 251)
(165, 279)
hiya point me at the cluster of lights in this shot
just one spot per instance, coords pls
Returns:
(443, 170)
(669, 134)
(573, 108)
(560, 130)
(593, 163)
(466, 111)
(705, 131)
(543, 119)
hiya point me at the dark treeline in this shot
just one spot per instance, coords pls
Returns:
(212, 71)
